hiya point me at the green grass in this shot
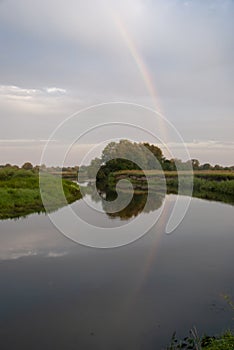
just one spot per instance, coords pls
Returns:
(20, 192)
(224, 341)
(213, 185)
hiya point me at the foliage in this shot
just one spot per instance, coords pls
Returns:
(195, 164)
(224, 342)
(194, 342)
(20, 192)
(114, 165)
(127, 155)
(27, 166)
(145, 156)
(213, 185)
(142, 155)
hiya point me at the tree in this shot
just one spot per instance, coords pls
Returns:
(206, 166)
(217, 167)
(27, 166)
(109, 152)
(169, 165)
(93, 168)
(195, 164)
(156, 151)
(144, 155)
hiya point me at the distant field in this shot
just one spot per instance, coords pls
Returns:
(205, 174)
(183, 172)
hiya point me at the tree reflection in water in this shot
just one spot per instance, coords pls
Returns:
(141, 202)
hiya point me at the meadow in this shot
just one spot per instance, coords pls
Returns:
(20, 192)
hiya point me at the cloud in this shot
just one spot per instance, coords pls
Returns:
(185, 47)
(55, 90)
(33, 112)
(15, 92)
(87, 22)
(60, 56)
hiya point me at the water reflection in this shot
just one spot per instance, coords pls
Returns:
(141, 202)
(34, 236)
(59, 295)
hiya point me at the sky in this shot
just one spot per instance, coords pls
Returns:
(59, 57)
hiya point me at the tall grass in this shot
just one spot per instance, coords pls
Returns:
(20, 192)
(213, 185)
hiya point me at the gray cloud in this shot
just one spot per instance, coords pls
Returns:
(60, 56)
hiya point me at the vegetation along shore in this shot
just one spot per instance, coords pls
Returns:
(120, 160)
(20, 192)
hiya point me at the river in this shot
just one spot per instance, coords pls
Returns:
(57, 294)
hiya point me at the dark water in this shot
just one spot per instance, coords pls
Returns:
(56, 294)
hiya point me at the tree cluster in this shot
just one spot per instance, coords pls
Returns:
(127, 155)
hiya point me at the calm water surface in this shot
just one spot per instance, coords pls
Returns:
(56, 294)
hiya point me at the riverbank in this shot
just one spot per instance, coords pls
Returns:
(20, 192)
(212, 185)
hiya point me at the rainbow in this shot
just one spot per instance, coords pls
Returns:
(147, 79)
(144, 73)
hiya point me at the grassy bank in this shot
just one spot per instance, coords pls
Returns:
(218, 190)
(20, 192)
(213, 185)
